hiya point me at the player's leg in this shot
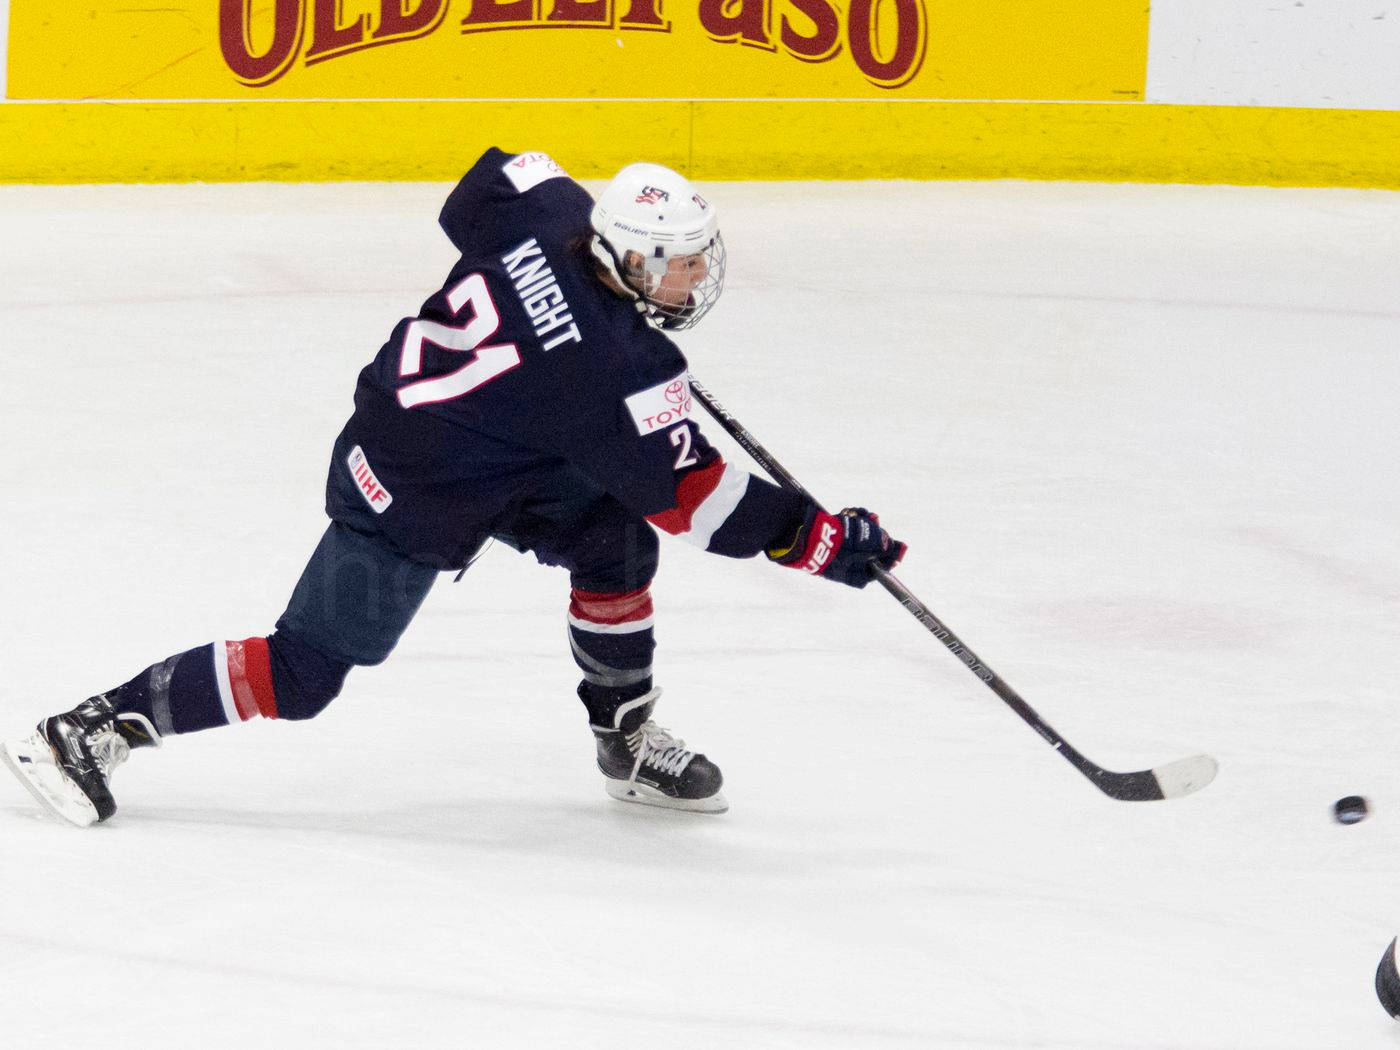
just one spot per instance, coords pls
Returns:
(612, 557)
(354, 600)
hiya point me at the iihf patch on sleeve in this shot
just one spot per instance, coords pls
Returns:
(375, 494)
(528, 170)
(661, 405)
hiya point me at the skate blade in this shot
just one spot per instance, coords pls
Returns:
(626, 791)
(31, 761)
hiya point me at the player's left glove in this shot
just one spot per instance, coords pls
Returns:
(841, 547)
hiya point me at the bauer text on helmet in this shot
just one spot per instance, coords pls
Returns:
(661, 240)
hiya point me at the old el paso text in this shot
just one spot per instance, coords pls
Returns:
(886, 39)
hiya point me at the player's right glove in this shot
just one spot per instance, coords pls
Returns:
(841, 547)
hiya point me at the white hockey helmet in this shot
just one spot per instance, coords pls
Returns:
(655, 212)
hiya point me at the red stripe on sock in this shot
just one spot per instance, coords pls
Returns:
(250, 677)
(610, 609)
(259, 666)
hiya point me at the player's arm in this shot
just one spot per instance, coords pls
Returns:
(722, 508)
(727, 510)
(657, 461)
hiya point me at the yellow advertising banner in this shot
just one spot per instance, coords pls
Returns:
(1086, 50)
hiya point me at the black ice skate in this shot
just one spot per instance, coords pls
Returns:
(67, 762)
(641, 762)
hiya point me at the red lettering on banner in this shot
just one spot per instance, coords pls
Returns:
(808, 30)
(483, 15)
(397, 24)
(330, 39)
(911, 37)
(498, 14)
(737, 21)
(328, 36)
(823, 43)
(747, 22)
(644, 14)
(582, 12)
(235, 40)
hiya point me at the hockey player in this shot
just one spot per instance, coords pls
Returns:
(536, 399)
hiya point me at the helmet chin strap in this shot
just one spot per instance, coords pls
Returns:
(604, 253)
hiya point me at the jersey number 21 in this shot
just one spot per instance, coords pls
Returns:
(486, 363)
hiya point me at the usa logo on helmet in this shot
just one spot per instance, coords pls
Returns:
(652, 195)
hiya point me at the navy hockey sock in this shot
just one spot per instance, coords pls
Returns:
(214, 685)
(612, 641)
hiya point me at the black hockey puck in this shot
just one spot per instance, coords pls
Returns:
(1388, 982)
(1350, 810)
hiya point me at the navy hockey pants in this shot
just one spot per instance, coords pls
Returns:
(357, 596)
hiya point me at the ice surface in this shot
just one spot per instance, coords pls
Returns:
(1142, 443)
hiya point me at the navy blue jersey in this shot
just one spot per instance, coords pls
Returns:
(525, 368)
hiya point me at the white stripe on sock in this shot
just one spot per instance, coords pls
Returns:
(225, 689)
(629, 627)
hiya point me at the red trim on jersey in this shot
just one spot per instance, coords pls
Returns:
(250, 678)
(610, 609)
(693, 490)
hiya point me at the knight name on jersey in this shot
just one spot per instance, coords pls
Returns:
(661, 405)
(375, 494)
(540, 295)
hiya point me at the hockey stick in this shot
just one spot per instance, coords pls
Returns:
(1172, 780)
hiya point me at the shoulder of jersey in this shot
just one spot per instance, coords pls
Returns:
(504, 193)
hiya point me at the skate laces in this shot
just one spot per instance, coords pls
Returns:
(659, 749)
(108, 749)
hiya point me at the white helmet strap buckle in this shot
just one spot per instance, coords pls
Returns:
(656, 262)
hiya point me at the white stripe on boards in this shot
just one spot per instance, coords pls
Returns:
(225, 688)
(717, 506)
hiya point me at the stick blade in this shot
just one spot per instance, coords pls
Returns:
(1182, 777)
(1185, 775)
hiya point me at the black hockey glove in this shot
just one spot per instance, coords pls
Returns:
(841, 547)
